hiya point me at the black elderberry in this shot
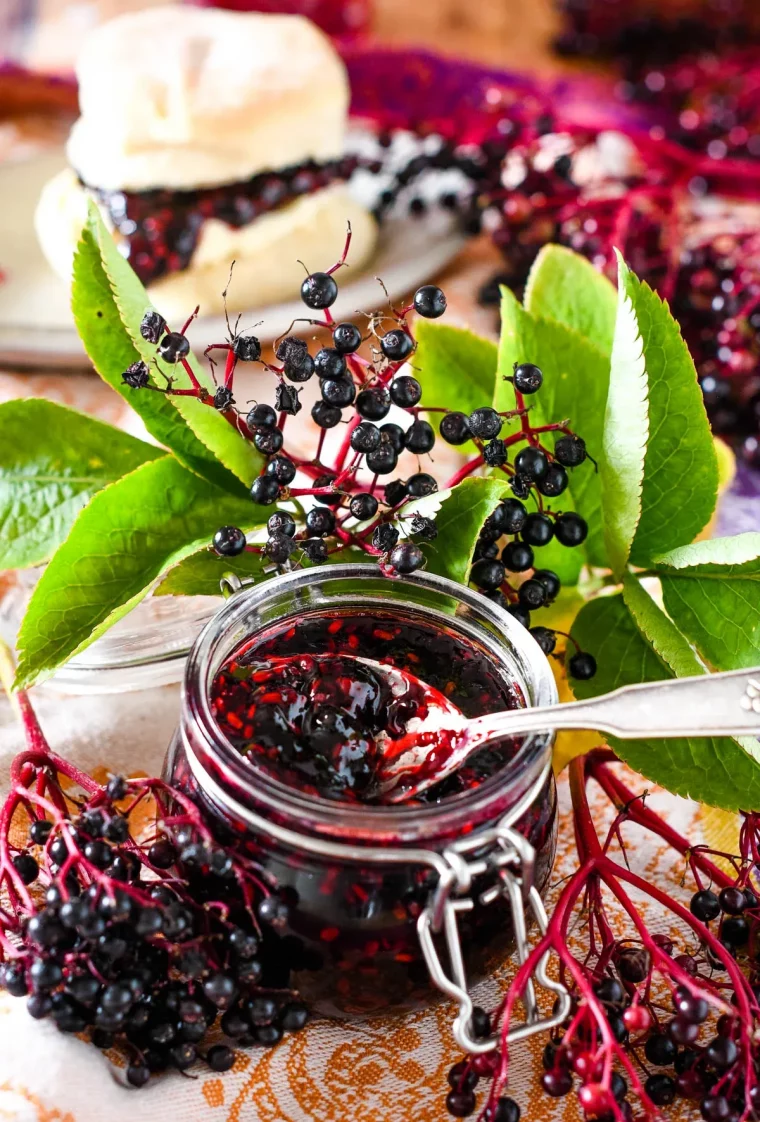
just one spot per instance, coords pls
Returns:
(732, 901)
(397, 345)
(243, 943)
(545, 637)
(294, 1016)
(480, 1023)
(39, 831)
(363, 506)
(420, 485)
(554, 482)
(721, 1053)
(291, 349)
(333, 499)
(550, 581)
(537, 530)
(495, 453)
(278, 548)
(405, 391)
(268, 441)
(282, 469)
(384, 537)
(373, 404)
(45, 975)
(485, 423)
(395, 492)
(347, 338)
(419, 438)
(496, 596)
(393, 435)
(517, 557)
(504, 1110)
(531, 463)
(298, 367)
(162, 854)
(249, 971)
(12, 978)
(116, 788)
(319, 291)
(261, 1010)
(570, 529)
(424, 528)
(247, 348)
(690, 1006)
(234, 1024)
(26, 867)
(324, 415)
(383, 460)
(39, 1005)
(487, 574)
(223, 398)
(661, 1089)
(734, 931)
(152, 326)
(715, 1108)
(149, 922)
(269, 1035)
(117, 829)
(229, 541)
(183, 1055)
(365, 437)
(265, 490)
(520, 485)
(136, 376)
(220, 989)
(570, 451)
(557, 1083)
(582, 666)
(532, 594)
(461, 1076)
(138, 1074)
(281, 522)
(429, 301)
(340, 392)
(617, 1027)
(460, 1103)
(521, 614)
(514, 516)
(608, 990)
(633, 964)
(262, 416)
(660, 1050)
(329, 363)
(320, 521)
(455, 428)
(527, 378)
(92, 822)
(174, 347)
(286, 399)
(705, 905)
(683, 1032)
(406, 557)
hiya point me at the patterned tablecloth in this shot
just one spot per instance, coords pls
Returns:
(387, 1070)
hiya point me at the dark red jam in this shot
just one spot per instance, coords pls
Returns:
(350, 938)
(161, 228)
(294, 705)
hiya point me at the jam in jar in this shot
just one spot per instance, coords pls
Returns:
(278, 744)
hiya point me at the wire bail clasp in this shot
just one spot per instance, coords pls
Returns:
(511, 858)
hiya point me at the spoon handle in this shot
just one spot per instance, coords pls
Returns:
(707, 705)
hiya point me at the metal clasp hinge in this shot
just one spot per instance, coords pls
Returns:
(512, 858)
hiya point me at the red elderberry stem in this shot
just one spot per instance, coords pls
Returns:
(466, 469)
(229, 368)
(345, 447)
(197, 387)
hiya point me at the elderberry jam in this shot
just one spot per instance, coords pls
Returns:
(161, 228)
(354, 875)
(293, 704)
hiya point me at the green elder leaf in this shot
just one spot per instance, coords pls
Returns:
(564, 286)
(111, 351)
(52, 461)
(455, 367)
(211, 428)
(660, 631)
(125, 538)
(576, 376)
(712, 770)
(459, 523)
(674, 489)
(712, 591)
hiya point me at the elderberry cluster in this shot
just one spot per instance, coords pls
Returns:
(125, 939)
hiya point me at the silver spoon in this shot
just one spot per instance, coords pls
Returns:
(441, 742)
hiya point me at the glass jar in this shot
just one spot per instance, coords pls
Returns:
(368, 886)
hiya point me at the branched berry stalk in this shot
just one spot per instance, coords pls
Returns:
(640, 1003)
(346, 500)
(141, 937)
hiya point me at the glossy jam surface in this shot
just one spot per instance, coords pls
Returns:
(297, 703)
(162, 228)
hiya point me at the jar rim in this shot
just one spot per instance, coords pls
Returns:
(359, 821)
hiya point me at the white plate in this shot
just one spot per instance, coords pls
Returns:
(36, 327)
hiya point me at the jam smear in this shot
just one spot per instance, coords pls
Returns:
(295, 705)
(161, 228)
